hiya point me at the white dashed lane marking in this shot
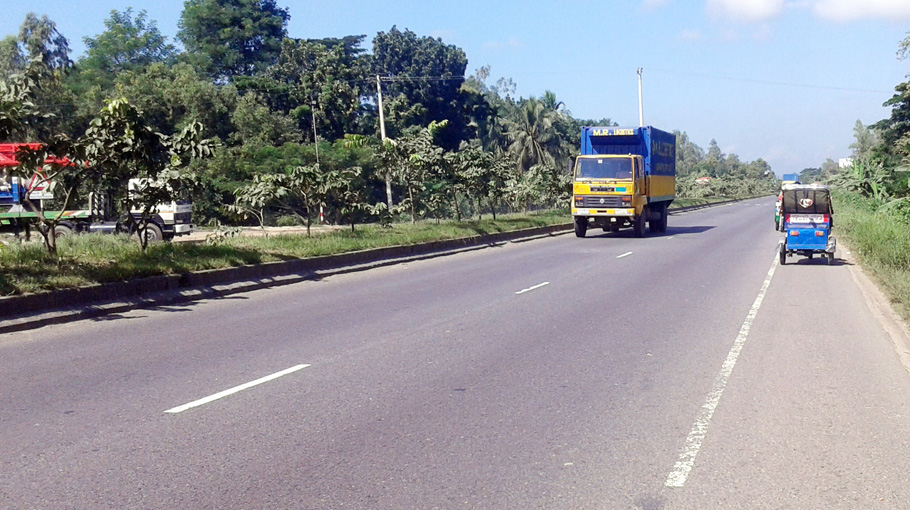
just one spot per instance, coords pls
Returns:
(529, 289)
(683, 467)
(235, 389)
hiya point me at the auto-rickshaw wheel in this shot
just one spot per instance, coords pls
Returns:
(783, 255)
(830, 258)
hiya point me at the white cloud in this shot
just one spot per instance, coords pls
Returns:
(746, 10)
(848, 10)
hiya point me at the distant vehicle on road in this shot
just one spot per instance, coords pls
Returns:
(786, 179)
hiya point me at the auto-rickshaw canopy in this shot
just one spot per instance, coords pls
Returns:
(806, 199)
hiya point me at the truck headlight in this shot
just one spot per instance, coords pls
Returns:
(579, 201)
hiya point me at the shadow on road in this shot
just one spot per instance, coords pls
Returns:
(671, 231)
(186, 306)
(816, 261)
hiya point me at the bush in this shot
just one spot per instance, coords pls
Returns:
(288, 221)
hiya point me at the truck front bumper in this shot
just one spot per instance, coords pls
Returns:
(183, 229)
(603, 212)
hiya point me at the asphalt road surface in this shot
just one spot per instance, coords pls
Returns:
(681, 370)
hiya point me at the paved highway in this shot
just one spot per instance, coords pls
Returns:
(682, 370)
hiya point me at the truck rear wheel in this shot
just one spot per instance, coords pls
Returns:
(654, 225)
(62, 231)
(658, 219)
(662, 225)
(581, 226)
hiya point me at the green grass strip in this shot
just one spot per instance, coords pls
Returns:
(880, 238)
(98, 258)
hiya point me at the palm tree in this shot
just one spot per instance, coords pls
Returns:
(549, 101)
(531, 131)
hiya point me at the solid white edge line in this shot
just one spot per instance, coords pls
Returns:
(626, 254)
(682, 468)
(235, 389)
(529, 289)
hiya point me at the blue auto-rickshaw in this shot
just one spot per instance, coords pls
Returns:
(807, 219)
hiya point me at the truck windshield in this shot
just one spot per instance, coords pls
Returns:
(603, 168)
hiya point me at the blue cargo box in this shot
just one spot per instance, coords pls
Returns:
(658, 147)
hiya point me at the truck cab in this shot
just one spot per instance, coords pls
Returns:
(608, 190)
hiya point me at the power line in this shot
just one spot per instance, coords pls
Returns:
(769, 82)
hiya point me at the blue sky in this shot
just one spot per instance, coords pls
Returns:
(781, 80)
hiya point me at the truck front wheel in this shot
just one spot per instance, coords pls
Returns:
(638, 223)
(153, 233)
(581, 226)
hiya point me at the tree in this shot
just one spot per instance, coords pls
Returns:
(43, 43)
(411, 160)
(898, 124)
(119, 145)
(11, 59)
(128, 44)
(482, 175)
(256, 124)
(321, 75)
(903, 49)
(42, 53)
(170, 97)
(427, 72)
(233, 37)
(688, 154)
(808, 175)
(300, 191)
(534, 140)
(20, 113)
(253, 198)
(865, 140)
(715, 155)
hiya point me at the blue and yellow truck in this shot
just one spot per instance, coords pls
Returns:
(624, 177)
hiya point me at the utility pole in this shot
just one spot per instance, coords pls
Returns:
(641, 117)
(381, 114)
(315, 142)
(316, 145)
(388, 176)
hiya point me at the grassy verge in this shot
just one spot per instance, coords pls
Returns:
(690, 202)
(881, 241)
(89, 259)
